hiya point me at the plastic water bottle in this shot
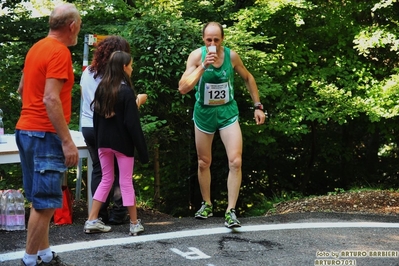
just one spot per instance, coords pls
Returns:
(10, 211)
(2, 139)
(3, 207)
(19, 210)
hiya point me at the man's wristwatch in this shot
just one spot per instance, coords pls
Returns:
(259, 106)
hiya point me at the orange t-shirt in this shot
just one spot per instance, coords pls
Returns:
(48, 58)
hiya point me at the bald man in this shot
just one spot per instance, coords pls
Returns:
(210, 71)
(45, 145)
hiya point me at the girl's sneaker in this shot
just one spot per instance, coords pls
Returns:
(136, 228)
(97, 227)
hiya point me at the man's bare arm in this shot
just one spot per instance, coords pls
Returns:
(193, 73)
(21, 85)
(250, 83)
(52, 101)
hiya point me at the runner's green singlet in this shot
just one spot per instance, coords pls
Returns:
(215, 87)
(215, 107)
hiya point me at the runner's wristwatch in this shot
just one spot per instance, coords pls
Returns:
(259, 106)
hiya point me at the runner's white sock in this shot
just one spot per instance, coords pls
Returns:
(46, 255)
(30, 260)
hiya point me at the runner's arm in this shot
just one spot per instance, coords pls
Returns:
(193, 72)
(250, 83)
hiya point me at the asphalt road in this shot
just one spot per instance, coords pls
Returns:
(292, 239)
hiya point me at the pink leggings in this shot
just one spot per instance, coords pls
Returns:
(125, 164)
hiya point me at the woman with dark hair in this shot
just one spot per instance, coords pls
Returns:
(90, 79)
(118, 133)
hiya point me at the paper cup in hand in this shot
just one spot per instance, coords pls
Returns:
(212, 49)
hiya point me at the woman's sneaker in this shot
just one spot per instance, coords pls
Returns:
(205, 211)
(97, 227)
(231, 219)
(136, 228)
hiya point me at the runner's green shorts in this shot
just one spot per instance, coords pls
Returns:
(209, 119)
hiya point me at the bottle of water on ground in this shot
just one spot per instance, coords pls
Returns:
(2, 211)
(10, 211)
(19, 210)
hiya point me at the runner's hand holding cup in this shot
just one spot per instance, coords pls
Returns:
(210, 57)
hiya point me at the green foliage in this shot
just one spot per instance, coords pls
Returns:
(336, 191)
(324, 88)
(263, 205)
(17, 36)
(10, 176)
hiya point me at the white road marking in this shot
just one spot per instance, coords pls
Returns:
(194, 254)
(199, 232)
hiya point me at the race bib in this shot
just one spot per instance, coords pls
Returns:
(216, 94)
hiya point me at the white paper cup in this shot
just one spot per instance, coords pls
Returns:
(212, 49)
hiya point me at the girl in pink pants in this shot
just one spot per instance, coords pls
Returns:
(118, 134)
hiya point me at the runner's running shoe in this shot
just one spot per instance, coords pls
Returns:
(97, 227)
(56, 261)
(205, 211)
(231, 219)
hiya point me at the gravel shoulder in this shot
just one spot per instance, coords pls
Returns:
(382, 202)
